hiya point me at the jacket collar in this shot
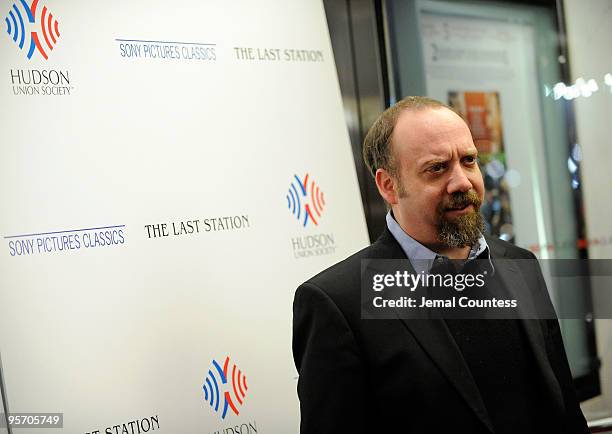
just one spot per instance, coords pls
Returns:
(436, 339)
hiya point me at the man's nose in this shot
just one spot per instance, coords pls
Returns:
(458, 180)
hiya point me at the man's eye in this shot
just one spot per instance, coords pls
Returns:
(470, 159)
(438, 167)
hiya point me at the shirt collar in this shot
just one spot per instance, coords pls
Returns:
(422, 257)
(479, 247)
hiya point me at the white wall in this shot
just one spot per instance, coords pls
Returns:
(115, 333)
(589, 32)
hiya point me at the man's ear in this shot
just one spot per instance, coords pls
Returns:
(386, 186)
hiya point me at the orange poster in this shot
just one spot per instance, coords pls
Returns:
(482, 113)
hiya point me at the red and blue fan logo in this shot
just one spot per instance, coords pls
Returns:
(42, 27)
(220, 394)
(305, 200)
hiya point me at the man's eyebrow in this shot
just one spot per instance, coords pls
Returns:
(438, 160)
(435, 160)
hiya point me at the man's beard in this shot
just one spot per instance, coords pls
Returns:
(464, 230)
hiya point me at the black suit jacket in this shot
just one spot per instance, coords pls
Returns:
(407, 376)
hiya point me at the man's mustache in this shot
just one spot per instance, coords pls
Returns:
(460, 200)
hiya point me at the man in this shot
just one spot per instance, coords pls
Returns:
(439, 375)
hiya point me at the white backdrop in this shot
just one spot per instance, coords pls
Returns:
(212, 117)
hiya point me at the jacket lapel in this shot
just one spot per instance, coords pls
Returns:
(435, 338)
(512, 280)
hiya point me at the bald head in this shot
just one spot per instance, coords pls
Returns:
(377, 143)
